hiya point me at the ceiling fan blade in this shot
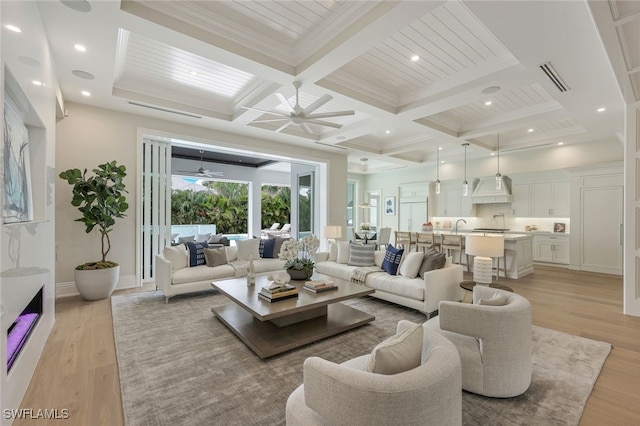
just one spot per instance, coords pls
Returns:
(317, 104)
(331, 114)
(325, 123)
(208, 173)
(265, 111)
(268, 121)
(283, 100)
(284, 126)
(307, 129)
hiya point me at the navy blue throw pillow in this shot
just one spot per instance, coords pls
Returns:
(196, 253)
(392, 260)
(266, 247)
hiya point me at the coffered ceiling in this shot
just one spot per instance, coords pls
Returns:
(418, 74)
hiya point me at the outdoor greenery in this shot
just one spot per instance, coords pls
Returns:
(225, 204)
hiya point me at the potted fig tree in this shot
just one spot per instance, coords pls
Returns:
(100, 200)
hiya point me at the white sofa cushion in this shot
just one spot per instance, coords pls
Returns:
(232, 253)
(498, 299)
(343, 252)
(202, 273)
(338, 270)
(333, 252)
(248, 248)
(378, 257)
(411, 265)
(399, 353)
(177, 255)
(412, 288)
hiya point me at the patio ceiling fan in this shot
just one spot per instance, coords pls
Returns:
(201, 172)
(299, 116)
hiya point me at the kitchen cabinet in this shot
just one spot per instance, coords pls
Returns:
(550, 199)
(551, 249)
(451, 203)
(415, 191)
(521, 199)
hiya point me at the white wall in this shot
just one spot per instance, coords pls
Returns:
(90, 136)
(27, 255)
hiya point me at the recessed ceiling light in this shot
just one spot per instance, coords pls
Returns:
(77, 5)
(491, 89)
(415, 58)
(13, 28)
(530, 130)
(388, 131)
(37, 83)
(192, 72)
(601, 109)
(560, 143)
(79, 48)
(487, 103)
(441, 161)
(493, 153)
(86, 93)
(440, 148)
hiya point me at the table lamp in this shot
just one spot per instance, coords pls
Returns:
(332, 232)
(484, 248)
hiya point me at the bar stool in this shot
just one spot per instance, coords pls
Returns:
(450, 242)
(404, 239)
(424, 240)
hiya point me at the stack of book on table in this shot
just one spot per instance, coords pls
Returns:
(318, 286)
(276, 292)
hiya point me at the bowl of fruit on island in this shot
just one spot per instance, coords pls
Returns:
(427, 226)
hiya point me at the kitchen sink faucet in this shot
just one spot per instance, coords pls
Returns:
(455, 228)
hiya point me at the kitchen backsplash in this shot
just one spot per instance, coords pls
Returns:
(489, 216)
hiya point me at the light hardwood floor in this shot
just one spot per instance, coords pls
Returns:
(78, 369)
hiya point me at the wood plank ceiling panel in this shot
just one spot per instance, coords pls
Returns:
(165, 66)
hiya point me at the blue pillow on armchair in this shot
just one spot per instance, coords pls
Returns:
(392, 260)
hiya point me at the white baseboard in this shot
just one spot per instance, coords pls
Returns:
(67, 289)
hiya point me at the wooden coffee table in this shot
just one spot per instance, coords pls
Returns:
(272, 328)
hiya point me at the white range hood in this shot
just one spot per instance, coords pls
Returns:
(485, 192)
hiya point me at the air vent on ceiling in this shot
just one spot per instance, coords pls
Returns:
(163, 109)
(525, 148)
(554, 77)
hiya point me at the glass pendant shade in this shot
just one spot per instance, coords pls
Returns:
(438, 186)
(498, 181)
(465, 184)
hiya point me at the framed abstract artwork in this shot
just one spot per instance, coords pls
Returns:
(390, 206)
(18, 203)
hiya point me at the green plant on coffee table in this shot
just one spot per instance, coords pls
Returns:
(298, 254)
(101, 201)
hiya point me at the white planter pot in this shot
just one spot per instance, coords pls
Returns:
(95, 284)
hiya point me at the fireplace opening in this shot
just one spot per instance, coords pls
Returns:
(22, 327)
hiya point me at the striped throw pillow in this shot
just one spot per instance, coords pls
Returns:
(361, 254)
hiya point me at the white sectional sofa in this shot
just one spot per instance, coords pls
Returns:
(422, 294)
(173, 275)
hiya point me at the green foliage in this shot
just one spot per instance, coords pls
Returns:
(100, 198)
(226, 205)
(276, 205)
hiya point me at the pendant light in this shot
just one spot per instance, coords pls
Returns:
(498, 175)
(465, 184)
(438, 170)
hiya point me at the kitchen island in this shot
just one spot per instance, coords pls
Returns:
(518, 252)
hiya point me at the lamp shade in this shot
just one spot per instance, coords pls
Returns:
(484, 245)
(333, 231)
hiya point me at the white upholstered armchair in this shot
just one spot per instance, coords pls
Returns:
(494, 342)
(347, 394)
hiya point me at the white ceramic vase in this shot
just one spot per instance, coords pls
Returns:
(95, 284)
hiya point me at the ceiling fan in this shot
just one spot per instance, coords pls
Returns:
(201, 172)
(299, 116)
